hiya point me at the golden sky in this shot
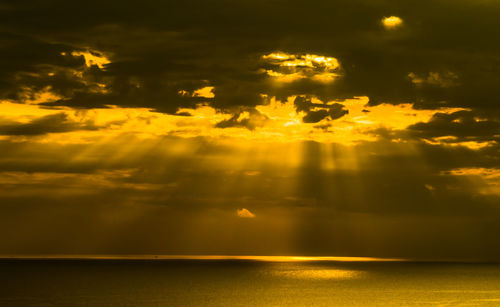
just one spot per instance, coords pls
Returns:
(332, 128)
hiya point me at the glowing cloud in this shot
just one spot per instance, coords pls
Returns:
(486, 180)
(92, 58)
(274, 120)
(454, 141)
(392, 22)
(31, 96)
(487, 173)
(205, 92)
(244, 213)
(290, 67)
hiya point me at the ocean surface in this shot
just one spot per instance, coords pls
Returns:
(246, 282)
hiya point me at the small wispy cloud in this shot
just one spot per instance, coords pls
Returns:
(245, 213)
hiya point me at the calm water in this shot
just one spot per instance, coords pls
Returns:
(245, 283)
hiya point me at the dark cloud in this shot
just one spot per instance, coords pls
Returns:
(249, 119)
(166, 48)
(462, 125)
(313, 115)
(55, 123)
(337, 111)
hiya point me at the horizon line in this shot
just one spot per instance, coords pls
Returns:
(202, 257)
(256, 258)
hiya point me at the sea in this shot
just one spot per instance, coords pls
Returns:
(245, 281)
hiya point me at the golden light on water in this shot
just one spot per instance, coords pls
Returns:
(321, 274)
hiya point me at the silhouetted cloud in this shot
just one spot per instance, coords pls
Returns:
(55, 123)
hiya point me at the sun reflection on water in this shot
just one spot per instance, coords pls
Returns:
(321, 274)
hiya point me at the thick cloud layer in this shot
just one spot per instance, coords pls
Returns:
(444, 54)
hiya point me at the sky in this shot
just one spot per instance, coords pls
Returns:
(365, 128)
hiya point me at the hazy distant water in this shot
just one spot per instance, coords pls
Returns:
(245, 283)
